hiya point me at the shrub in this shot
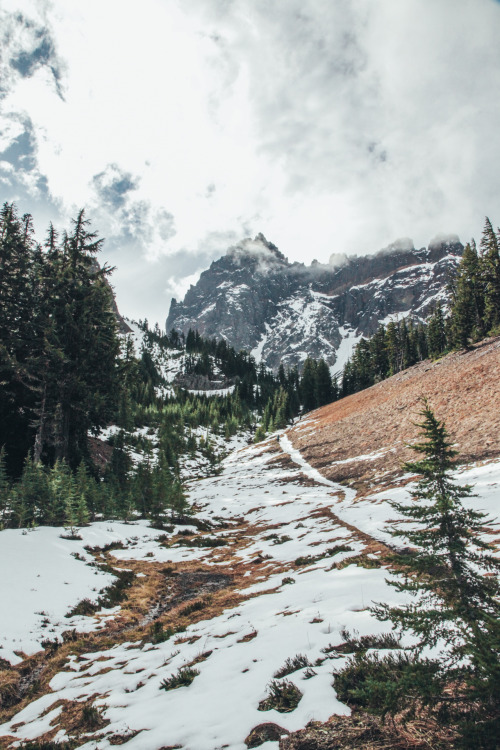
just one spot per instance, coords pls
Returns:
(399, 682)
(291, 665)
(47, 745)
(182, 678)
(354, 643)
(92, 717)
(195, 606)
(84, 607)
(283, 697)
(158, 634)
(203, 541)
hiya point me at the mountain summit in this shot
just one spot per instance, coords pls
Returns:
(255, 299)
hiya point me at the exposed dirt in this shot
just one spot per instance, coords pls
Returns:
(463, 389)
(186, 586)
(363, 732)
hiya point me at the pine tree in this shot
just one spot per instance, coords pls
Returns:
(324, 389)
(394, 354)
(436, 335)
(379, 358)
(178, 502)
(5, 488)
(81, 387)
(33, 494)
(362, 372)
(16, 334)
(308, 385)
(457, 604)
(61, 487)
(490, 267)
(467, 307)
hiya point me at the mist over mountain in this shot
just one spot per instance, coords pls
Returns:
(255, 299)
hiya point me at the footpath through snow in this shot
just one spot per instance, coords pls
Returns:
(282, 586)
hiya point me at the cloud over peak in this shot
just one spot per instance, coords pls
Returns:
(330, 125)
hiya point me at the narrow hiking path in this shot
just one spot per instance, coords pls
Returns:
(278, 576)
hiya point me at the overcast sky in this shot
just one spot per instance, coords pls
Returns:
(184, 126)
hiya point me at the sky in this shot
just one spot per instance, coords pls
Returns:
(182, 127)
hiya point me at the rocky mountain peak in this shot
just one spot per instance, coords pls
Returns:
(284, 312)
(258, 252)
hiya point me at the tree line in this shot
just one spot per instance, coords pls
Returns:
(65, 374)
(59, 367)
(473, 313)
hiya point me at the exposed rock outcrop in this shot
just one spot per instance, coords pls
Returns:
(283, 312)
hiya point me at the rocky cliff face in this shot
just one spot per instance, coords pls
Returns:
(255, 299)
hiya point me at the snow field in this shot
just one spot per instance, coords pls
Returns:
(44, 580)
(280, 620)
(267, 514)
(375, 517)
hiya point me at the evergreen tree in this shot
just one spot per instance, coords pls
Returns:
(324, 388)
(436, 335)
(490, 265)
(82, 384)
(16, 335)
(457, 604)
(379, 356)
(5, 489)
(394, 352)
(308, 385)
(362, 374)
(467, 307)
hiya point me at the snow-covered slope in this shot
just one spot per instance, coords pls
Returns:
(274, 516)
(288, 589)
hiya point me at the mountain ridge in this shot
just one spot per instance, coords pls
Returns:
(283, 312)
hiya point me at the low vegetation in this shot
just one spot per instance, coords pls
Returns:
(182, 678)
(283, 696)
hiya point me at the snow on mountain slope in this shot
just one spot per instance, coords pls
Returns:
(284, 312)
(273, 517)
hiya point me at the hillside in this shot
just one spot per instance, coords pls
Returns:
(286, 551)
(365, 434)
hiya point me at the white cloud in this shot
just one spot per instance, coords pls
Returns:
(330, 125)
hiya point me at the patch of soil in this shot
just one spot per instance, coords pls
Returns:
(366, 732)
(267, 732)
(365, 436)
(184, 586)
(100, 453)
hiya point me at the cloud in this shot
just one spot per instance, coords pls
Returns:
(332, 126)
(113, 184)
(27, 46)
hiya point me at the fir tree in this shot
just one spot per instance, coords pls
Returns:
(5, 488)
(456, 603)
(467, 299)
(436, 335)
(490, 265)
(323, 385)
(308, 385)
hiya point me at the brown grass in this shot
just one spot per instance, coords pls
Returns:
(361, 731)
(463, 390)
